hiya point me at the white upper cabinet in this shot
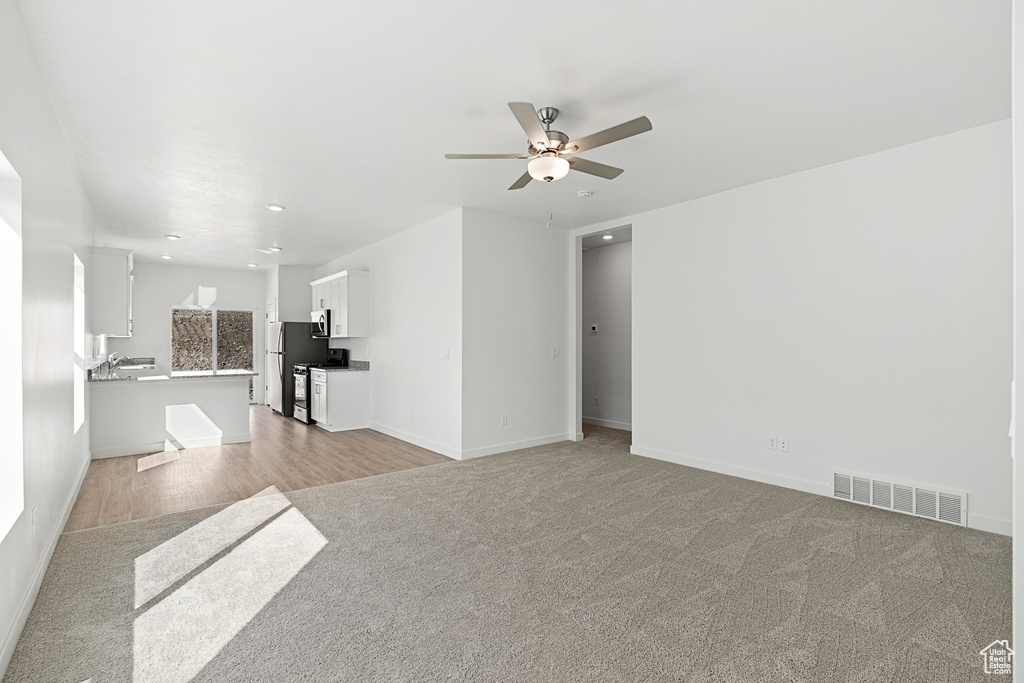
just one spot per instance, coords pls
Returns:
(347, 295)
(110, 290)
(321, 296)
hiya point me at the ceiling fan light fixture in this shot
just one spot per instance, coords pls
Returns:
(548, 167)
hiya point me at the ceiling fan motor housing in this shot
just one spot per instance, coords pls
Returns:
(556, 140)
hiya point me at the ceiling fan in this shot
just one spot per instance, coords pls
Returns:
(550, 152)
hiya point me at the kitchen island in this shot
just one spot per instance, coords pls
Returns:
(133, 415)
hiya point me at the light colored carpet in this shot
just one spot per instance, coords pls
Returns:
(571, 562)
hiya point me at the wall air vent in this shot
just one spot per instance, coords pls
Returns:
(945, 505)
(903, 498)
(841, 486)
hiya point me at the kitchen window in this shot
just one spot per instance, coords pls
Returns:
(211, 341)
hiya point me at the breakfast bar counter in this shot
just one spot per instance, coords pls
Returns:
(160, 412)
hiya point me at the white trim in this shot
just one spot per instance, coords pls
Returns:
(994, 525)
(515, 445)
(736, 471)
(417, 440)
(578, 436)
(159, 446)
(974, 521)
(11, 637)
(607, 423)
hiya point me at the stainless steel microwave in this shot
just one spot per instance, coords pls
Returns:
(321, 322)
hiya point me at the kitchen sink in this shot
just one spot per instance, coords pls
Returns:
(136, 364)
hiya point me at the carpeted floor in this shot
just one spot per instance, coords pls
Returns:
(570, 562)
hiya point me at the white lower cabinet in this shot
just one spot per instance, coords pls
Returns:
(318, 396)
(342, 401)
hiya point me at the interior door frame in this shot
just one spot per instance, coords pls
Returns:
(270, 316)
(576, 316)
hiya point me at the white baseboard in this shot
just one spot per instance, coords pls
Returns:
(986, 523)
(821, 489)
(158, 446)
(578, 436)
(608, 423)
(417, 440)
(974, 521)
(14, 632)
(516, 445)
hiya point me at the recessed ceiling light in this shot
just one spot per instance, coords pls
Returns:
(275, 248)
(252, 265)
(166, 257)
(275, 207)
(173, 237)
(607, 237)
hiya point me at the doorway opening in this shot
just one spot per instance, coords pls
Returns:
(605, 383)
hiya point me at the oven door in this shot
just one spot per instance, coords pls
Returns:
(302, 397)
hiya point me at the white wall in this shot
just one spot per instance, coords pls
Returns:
(514, 311)
(56, 223)
(159, 286)
(415, 314)
(607, 354)
(293, 292)
(861, 309)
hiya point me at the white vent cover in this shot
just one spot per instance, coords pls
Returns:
(912, 499)
(841, 486)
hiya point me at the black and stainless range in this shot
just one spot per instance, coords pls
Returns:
(336, 358)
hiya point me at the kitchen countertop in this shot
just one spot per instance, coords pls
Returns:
(165, 378)
(353, 366)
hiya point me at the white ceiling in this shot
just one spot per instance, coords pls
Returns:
(597, 240)
(187, 117)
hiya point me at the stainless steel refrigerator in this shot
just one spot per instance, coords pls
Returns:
(287, 344)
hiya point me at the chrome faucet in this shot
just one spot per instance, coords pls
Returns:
(113, 360)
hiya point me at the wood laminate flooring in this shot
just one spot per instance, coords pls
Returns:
(283, 452)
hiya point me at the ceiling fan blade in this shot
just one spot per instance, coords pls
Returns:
(593, 168)
(613, 134)
(521, 183)
(486, 156)
(526, 114)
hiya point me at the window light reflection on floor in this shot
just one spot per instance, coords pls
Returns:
(170, 561)
(182, 633)
(169, 454)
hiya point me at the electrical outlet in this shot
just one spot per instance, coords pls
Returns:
(773, 443)
(597, 400)
(554, 352)
(504, 420)
(412, 414)
(784, 444)
(366, 350)
(447, 354)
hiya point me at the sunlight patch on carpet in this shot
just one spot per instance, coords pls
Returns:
(158, 569)
(182, 633)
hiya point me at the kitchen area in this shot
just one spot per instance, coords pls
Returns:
(173, 362)
(212, 385)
